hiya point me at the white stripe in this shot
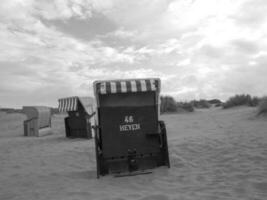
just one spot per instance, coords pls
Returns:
(143, 85)
(113, 87)
(123, 87)
(63, 105)
(75, 104)
(67, 104)
(70, 104)
(72, 101)
(59, 106)
(103, 88)
(153, 85)
(133, 86)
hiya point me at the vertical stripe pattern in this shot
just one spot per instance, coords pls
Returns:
(68, 104)
(125, 86)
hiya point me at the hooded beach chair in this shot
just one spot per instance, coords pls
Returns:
(129, 138)
(38, 120)
(80, 110)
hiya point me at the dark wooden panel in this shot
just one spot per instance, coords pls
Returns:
(78, 127)
(124, 128)
(128, 99)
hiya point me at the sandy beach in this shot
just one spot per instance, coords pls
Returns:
(214, 154)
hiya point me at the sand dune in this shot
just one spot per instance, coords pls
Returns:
(215, 154)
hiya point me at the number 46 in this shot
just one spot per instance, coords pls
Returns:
(128, 119)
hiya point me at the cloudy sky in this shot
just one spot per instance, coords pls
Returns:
(199, 48)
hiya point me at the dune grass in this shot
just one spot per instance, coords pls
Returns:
(202, 103)
(262, 108)
(240, 100)
(185, 106)
(169, 105)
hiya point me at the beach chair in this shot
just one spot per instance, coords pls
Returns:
(129, 138)
(80, 110)
(38, 120)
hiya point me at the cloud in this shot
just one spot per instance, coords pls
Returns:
(246, 46)
(86, 29)
(251, 13)
(67, 9)
(200, 49)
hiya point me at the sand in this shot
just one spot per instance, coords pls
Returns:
(214, 154)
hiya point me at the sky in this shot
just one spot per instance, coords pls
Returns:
(200, 49)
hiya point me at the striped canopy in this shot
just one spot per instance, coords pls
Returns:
(126, 86)
(68, 104)
(71, 104)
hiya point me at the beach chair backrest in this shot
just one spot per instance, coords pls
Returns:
(127, 114)
(38, 118)
(41, 113)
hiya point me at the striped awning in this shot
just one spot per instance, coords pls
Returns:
(126, 86)
(75, 103)
(68, 104)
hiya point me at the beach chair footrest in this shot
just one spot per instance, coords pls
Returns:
(131, 173)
